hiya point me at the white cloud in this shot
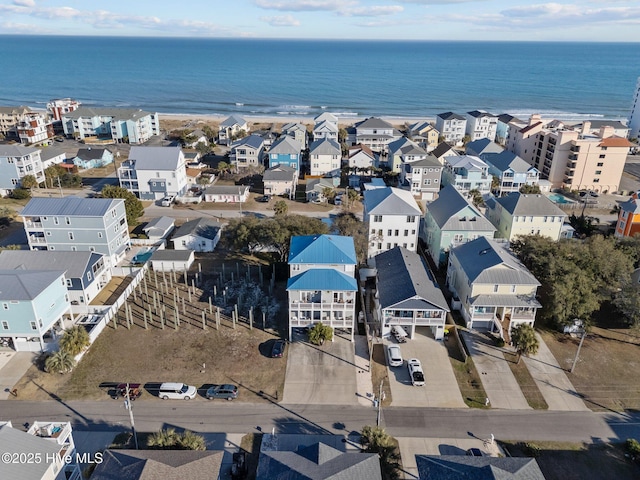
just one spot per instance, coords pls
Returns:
(372, 11)
(281, 21)
(23, 28)
(439, 2)
(302, 5)
(24, 3)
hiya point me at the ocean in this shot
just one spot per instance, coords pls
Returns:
(306, 77)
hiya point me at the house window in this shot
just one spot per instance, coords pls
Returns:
(411, 219)
(377, 218)
(495, 288)
(513, 289)
(601, 155)
(40, 322)
(413, 232)
(388, 246)
(389, 232)
(396, 233)
(89, 276)
(99, 234)
(598, 172)
(67, 220)
(69, 283)
(5, 325)
(596, 180)
(48, 234)
(70, 235)
(379, 246)
(33, 326)
(406, 233)
(373, 231)
(5, 306)
(404, 245)
(427, 181)
(56, 221)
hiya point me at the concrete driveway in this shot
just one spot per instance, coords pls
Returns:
(320, 375)
(441, 388)
(498, 381)
(552, 381)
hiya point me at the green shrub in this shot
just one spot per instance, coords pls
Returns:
(632, 446)
(20, 193)
(531, 450)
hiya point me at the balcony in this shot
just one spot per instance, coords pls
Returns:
(568, 174)
(575, 149)
(572, 165)
(316, 306)
(37, 240)
(33, 224)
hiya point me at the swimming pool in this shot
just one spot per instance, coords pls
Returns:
(143, 256)
(560, 199)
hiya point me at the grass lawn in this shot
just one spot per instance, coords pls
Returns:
(528, 386)
(237, 355)
(466, 374)
(577, 461)
(604, 372)
(379, 373)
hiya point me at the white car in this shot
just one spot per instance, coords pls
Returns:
(168, 200)
(415, 372)
(177, 391)
(394, 356)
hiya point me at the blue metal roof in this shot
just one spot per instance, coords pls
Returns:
(322, 279)
(70, 206)
(322, 249)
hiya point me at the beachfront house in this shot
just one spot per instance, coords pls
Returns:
(322, 285)
(502, 127)
(227, 193)
(492, 289)
(298, 132)
(35, 304)
(407, 294)
(16, 162)
(401, 151)
(450, 467)
(230, 128)
(373, 132)
(280, 180)
(285, 151)
(117, 124)
(481, 124)
(153, 173)
(325, 157)
(525, 214)
(92, 157)
(467, 173)
(452, 127)
(422, 177)
(451, 220)
(247, 152)
(9, 119)
(393, 219)
(86, 273)
(57, 107)
(78, 224)
(200, 235)
(35, 128)
(424, 134)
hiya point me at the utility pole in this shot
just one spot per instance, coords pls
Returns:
(575, 360)
(128, 406)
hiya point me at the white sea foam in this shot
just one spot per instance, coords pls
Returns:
(238, 104)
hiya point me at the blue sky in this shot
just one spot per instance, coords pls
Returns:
(577, 20)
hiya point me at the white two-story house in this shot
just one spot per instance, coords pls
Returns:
(393, 219)
(451, 127)
(322, 285)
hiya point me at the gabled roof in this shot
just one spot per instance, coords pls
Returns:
(446, 211)
(21, 110)
(159, 464)
(441, 149)
(291, 127)
(530, 127)
(322, 279)
(318, 184)
(285, 145)
(326, 125)
(480, 114)
(70, 206)
(232, 120)
(200, 227)
(326, 117)
(373, 122)
(483, 145)
(428, 161)
(463, 467)
(51, 152)
(227, 190)
(156, 158)
(506, 118)
(26, 284)
(158, 226)
(403, 278)
(74, 263)
(279, 173)
(322, 249)
(355, 149)
(90, 153)
(468, 162)
(632, 205)
(115, 113)
(254, 141)
(390, 201)
(318, 462)
(450, 116)
(419, 126)
(325, 146)
(484, 261)
(16, 150)
(507, 160)
(404, 146)
(19, 442)
(536, 205)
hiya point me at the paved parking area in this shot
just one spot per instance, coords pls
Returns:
(501, 386)
(320, 375)
(441, 388)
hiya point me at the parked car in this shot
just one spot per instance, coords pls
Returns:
(399, 334)
(177, 391)
(168, 200)
(394, 356)
(415, 372)
(263, 199)
(239, 468)
(475, 452)
(278, 349)
(222, 391)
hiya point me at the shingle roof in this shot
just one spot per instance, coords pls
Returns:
(517, 203)
(441, 149)
(318, 462)
(450, 116)
(116, 113)
(355, 149)
(404, 146)
(484, 261)
(279, 173)
(506, 118)
(480, 114)
(322, 249)
(326, 125)
(159, 464)
(390, 201)
(285, 145)
(16, 441)
(156, 158)
(631, 205)
(468, 162)
(597, 124)
(457, 467)
(232, 120)
(16, 150)
(483, 145)
(373, 122)
(530, 127)
(70, 206)
(26, 284)
(428, 161)
(403, 276)
(254, 141)
(157, 226)
(202, 227)
(15, 110)
(171, 255)
(447, 208)
(326, 117)
(74, 263)
(90, 153)
(507, 160)
(51, 152)
(325, 146)
(226, 190)
(322, 279)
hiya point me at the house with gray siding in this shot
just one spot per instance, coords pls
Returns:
(422, 177)
(16, 162)
(33, 303)
(298, 132)
(78, 224)
(247, 152)
(230, 127)
(402, 151)
(467, 173)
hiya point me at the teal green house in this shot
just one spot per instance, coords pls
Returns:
(451, 220)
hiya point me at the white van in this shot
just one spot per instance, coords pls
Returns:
(177, 391)
(168, 200)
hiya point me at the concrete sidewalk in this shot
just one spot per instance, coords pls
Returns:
(552, 381)
(363, 371)
(498, 381)
(13, 366)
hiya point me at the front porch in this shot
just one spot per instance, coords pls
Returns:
(501, 318)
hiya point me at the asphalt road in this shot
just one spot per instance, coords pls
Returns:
(232, 417)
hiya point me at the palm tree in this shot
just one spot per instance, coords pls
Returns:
(59, 362)
(163, 440)
(75, 340)
(524, 338)
(191, 441)
(319, 333)
(376, 440)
